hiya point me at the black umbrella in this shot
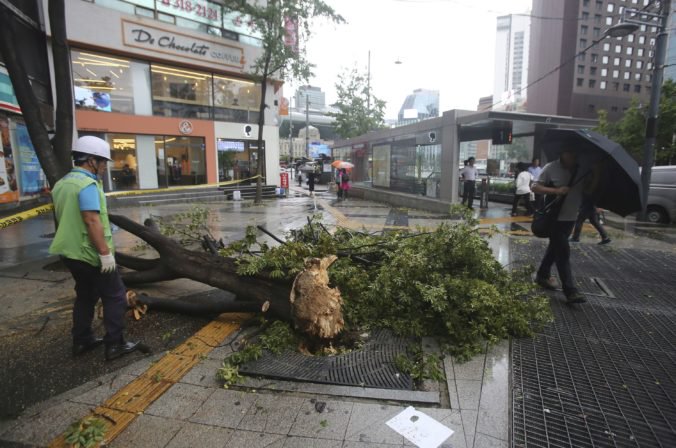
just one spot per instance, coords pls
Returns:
(619, 179)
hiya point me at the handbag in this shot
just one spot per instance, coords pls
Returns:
(545, 218)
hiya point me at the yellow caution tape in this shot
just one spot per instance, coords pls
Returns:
(37, 211)
(20, 217)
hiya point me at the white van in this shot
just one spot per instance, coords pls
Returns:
(662, 196)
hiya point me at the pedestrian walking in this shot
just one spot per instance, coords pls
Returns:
(523, 191)
(299, 178)
(557, 180)
(588, 209)
(84, 241)
(469, 175)
(534, 169)
(344, 183)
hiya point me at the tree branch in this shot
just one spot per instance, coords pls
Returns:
(136, 263)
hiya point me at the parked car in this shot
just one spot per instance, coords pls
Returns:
(662, 196)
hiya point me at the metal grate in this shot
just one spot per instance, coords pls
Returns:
(370, 366)
(603, 374)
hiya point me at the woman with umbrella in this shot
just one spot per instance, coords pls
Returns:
(343, 178)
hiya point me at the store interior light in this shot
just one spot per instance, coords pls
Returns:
(178, 72)
(114, 74)
(92, 81)
(98, 56)
(243, 81)
(91, 72)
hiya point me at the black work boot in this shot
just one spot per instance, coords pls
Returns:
(114, 351)
(83, 347)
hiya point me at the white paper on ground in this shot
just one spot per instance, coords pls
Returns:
(420, 429)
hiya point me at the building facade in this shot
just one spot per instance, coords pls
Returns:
(512, 40)
(606, 76)
(670, 67)
(420, 105)
(313, 96)
(170, 89)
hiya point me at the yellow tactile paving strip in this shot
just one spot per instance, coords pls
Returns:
(129, 402)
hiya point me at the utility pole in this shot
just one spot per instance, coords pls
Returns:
(290, 130)
(307, 123)
(653, 112)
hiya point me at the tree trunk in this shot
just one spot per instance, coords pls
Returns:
(261, 122)
(63, 139)
(308, 301)
(30, 107)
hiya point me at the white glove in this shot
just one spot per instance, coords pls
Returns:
(107, 263)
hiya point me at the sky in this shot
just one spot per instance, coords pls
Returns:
(445, 45)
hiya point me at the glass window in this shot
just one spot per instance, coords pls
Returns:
(583, 43)
(626, 87)
(609, 21)
(611, 7)
(639, 52)
(594, 58)
(592, 71)
(102, 83)
(606, 47)
(585, 16)
(235, 159)
(381, 166)
(180, 93)
(580, 82)
(605, 59)
(626, 75)
(630, 38)
(583, 30)
(597, 32)
(616, 74)
(580, 69)
(236, 100)
(638, 76)
(637, 88)
(581, 57)
(592, 83)
(602, 85)
(123, 169)
(585, 3)
(597, 19)
(180, 160)
(639, 65)
(643, 28)
(652, 42)
(618, 48)
(630, 51)
(145, 12)
(627, 63)
(641, 40)
(616, 86)
(604, 72)
(599, 5)
(616, 61)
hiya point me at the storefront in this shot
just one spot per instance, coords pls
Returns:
(165, 108)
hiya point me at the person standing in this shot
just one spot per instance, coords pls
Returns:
(554, 180)
(311, 183)
(344, 183)
(469, 175)
(523, 191)
(534, 169)
(84, 241)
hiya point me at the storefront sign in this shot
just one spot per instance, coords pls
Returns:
(139, 35)
(8, 100)
(8, 187)
(197, 10)
(185, 127)
(284, 180)
(32, 179)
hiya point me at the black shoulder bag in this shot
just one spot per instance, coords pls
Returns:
(545, 218)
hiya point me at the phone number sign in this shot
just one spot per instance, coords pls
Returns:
(198, 10)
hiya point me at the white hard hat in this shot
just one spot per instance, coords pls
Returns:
(92, 145)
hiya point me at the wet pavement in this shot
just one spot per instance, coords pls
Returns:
(475, 401)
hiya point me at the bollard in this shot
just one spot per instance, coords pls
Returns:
(485, 182)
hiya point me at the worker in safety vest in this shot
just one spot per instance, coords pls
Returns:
(85, 243)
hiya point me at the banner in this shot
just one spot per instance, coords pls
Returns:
(8, 187)
(291, 33)
(32, 178)
(8, 100)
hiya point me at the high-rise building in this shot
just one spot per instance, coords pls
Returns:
(419, 105)
(314, 94)
(606, 76)
(511, 62)
(670, 67)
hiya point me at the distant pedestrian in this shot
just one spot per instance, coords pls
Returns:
(344, 183)
(523, 191)
(299, 178)
(469, 175)
(535, 169)
(84, 241)
(311, 183)
(554, 180)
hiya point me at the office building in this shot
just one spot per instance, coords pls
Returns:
(419, 105)
(511, 62)
(670, 68)
(314, 95)
(606, 76)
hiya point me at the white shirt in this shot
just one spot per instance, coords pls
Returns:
(469, 173)
(523, 181)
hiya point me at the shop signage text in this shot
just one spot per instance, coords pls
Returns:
(155, 39)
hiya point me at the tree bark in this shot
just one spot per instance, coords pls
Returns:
(221, 272)
(30, 106)
(261, 123)
(63, 139)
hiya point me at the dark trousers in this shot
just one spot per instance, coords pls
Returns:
(526, 199)
(558, 251)
(468, 193)
(593, 216)
(539, 201)
(90, 285)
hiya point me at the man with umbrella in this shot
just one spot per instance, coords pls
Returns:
(555, 181)
(617, 189)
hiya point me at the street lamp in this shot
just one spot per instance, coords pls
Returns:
(627, 26)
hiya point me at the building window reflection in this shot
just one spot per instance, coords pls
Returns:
(236, 100)
(180, 93)
(124, 165)
(180, 160)
(237, 159)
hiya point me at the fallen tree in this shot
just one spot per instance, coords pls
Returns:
(445, 283)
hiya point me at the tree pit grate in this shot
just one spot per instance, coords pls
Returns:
(373, 365)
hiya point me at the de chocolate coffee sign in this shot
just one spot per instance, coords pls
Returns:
(177, 44)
